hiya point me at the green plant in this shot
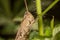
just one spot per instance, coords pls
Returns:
(40, 18)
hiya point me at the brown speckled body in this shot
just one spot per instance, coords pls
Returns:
(25, 26)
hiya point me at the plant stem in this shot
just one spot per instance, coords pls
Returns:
(49, 7)
(40, 25)
(40, 20)
(38, 6)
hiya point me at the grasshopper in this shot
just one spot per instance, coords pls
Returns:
(25, 25)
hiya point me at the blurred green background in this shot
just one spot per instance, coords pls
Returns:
(11, 14)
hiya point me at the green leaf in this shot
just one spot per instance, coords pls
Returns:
(9, 28)
(56, 29)
(52, 23)
(48, 32)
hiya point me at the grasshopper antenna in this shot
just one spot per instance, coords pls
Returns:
(26, 5)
